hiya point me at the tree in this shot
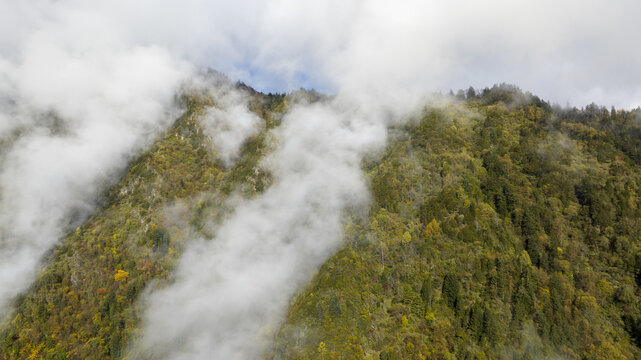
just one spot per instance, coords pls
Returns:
(121, 276)
(335, 306)
(427, 291)
(452, 291)
(432, 229)
(471, 93)
(322, 350)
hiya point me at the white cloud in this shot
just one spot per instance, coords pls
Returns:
(229, 123)
(230, 291)
(75, 107)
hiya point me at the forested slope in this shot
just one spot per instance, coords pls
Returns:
(501, 228)
(83, 303)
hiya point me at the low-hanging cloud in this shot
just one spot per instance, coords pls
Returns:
(73, 112)
(229, 123)
(231, 290)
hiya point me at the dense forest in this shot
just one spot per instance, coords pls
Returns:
(500, 226)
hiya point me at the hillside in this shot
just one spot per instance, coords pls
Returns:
(500, 227)
(83, 303)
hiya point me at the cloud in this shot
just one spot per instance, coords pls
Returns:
(576, 51)
(229, 123)
(227, 292)
(572, 51)
(74, 110)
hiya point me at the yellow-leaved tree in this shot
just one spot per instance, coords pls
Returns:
(121, 276)
(432, 229)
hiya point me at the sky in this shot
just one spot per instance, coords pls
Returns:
(571, 51)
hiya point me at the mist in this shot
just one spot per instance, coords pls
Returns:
(72, 115)
(230, 292)
(229, 123)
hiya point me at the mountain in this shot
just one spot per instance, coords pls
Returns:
(82, 304)
(502, 228)
(499, 227)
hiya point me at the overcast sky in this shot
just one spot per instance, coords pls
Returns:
(564, 51)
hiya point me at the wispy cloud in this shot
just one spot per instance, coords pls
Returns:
(74, 110)
(230, 292)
